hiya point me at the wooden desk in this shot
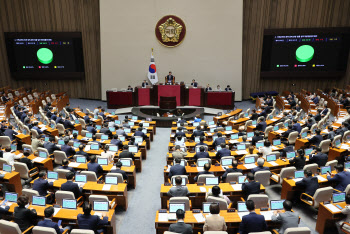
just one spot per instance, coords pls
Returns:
(47, 163)
(225, 117)
(13, 182)
(327, 218)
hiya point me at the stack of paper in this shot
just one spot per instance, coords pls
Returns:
(233, 141)
(320, 178)
(273, 163)
(297, 180)
(56, 210)
(250, 166)
(333, 208)
(38, 159)
(203, 189)
(199, 217)
(106, 187)
(267, 214)
(280, 131)
(237, 187)
(162, 217)
(74, 164)
(241, 214)
(240, 152)
(200, 169)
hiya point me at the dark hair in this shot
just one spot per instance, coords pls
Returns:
(216, 190)
(8, 149)
(93, 158)
(42, 174)
(250, 176)
(234, 163)
(81, 147)
(339, 167)
(69, 175)
(177, 160)
(51, 139)
(250, 205)
(223, 145)
(26, 153)
(219, 134)
(48, 212)
(22, 200)
(86, 208)
(178, 180)
(330, 128)
(287, 205)
(119, 164)
(318, 131)
(198, 127)
(347, 199)
(125, 147)
(180, 214)
(207, 167)
(301, 153)
(75, 135)
(308, 173)
(267, 143)
(214, 208)
(94, 137)
(201, 149)
(65, 162)
(201, 138)
(115, 136)
(318, 149)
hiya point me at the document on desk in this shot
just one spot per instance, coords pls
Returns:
(87, 148)
(332, 207)
(106, 187)
(162, 217)
(275, 148)
(250, 166)
(344, 146)
(203, 189)
(279, 131)
(237, 187)
(168, 169)
(38, 159)
(200, 169)
(233, 141)
(74, 164)
(56, 211)
(199, 217)
(274, 163)
(267, 214)
(241, 214)
(240, 152)
(320, 178)
(298, 179)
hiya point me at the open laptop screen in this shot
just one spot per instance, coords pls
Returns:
(276, 204)
(338, 197)
(39, 201)
(200, 163)
(226, 162)
(52, 175)
(173, 207)
(111, 180)
(241, 207)
(212, 181)
(249, 160)
(101, 206)
(69, 204)
(11, 197)
(298, 174)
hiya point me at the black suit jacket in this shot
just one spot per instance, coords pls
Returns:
(197, 133)
(177, 169)
(256, 139)
(316, 140)
(41, 186)
(320, 158)
(126, 154)
(24, 217)
(254, 116)
(261, 126)
(25, 160)
(125, 176)
(91, 222)
(310, 184)
(298, 163)
(71, 187)
(230, 170)
(181, 227)
(252, 187)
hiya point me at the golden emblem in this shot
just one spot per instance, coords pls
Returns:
(170, 30)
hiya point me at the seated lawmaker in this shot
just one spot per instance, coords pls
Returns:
(341, 178)
(144, 84)
(223, 151)
(198, 132)
(216, 192)
(250, 187)
(299, 161)
(254, 115)
(201, 141)
(260, 166)
(316, 140)
(177, 169)
(288, 218)
(309, 183)
(214, 222)
(231, 170)
(91, 222)
(94, 166)
(178, 190)
(261, 125)
(197, 119)
(194, 83)
(201, 154)
(228, 88)
(208, 88)
(70, 186)
(130, 88)
(47, 222)
(257, 137)
(65, 166)
(170, 79)
(22, 216)
(118, 169)
(205, 172)
(220, 139)
(180, 226)
(178, 153)
(218, 88)
(252, 222)
(318, 157)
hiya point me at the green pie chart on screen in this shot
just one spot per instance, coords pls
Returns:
(44, 55)
(304, 53)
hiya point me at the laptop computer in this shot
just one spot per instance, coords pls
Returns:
(183, 183)
(80, 179)
(47, 139)
(226, 162)
(117, 122)
(6, 168)
(212, 181)
(275, 128)
(338, 197)
(127, 130)
(308, 151)
(42, 154)
(290, 155)
(254, 122)
(80, 159)
(111, 180)
(212, 129)
(325, 169)
(173, 207)
(241, 146)
(131, 123)
(234, 136)
(246, 115)
(217, 148)
(13, 147)
(337, 143)
(276, 204)
(94, 147)
(88, 135)
(200, 163)
(241, 207)
(52, 176)
(286, 125)
(214, 138)
(144, 131)
(206, 207)
(304, 135)
(27, 149)
(39, 201)
(347, 165)
(276, 142)
(11, 197)
(259, 144)
(76, 144)
(134, 117)
(98, 127)
(60, 142)
(146, 125)
(250, 134)
(249, 160)
(197, 139)
(149, 119)
(228, 128)
(102, 161)
(195, 124)
(113, 148)
(100, 206)
(133, 149)
(241, 179)
(104, 137)
(138, 139)
(126, 163)
(298, 174)
(77, 121)
(69, 204)
(271, 157)
(75, 131)
(121, 138)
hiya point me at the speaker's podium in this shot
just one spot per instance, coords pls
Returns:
(167, 103)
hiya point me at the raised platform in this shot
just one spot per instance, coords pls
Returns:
(189, 114)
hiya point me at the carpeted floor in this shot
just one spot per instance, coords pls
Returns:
(144, 201)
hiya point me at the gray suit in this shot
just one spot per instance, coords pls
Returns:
(181, 227)
(179, 154)
(288, 219)
(178, 191)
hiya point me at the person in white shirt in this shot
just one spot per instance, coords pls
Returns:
(218, 88)
(267, 149)
(97, 110)
(10, 157)
(179, 142)
(107, 154)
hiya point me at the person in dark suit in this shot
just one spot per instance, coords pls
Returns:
(24, 115)
(35, 127)
(194, 83)
(47, 222)
(316, 140)
(223, 152)
(315, 100)
(292, 102)
(257, 137)
(177, 169)
(287, 149)
(201, 141)
(59, 119)
(286, 133)
(54, 116)
(252, 222)
(324, 111)
(144, 84)
(139, 132)
(67, 148)
(126, 154)
(68, 124)
(219, 140)
(118, 169)
(208, 88)
(178, 190)
(340, 131)
(4, 98)
(41, 184)
(102, 113)
(130, 88)
(228, 88)
(318, 157)
(71, 186)
(254, 115)
(341, 178)
(10, 133)
(182, 120)
(180, 226)
(91, 222)
(116, 141)
(87, 118)
(23, 216)
(201, 154)
(299, 161)
(296, 126)
(65, 166)
(198, 132)
(105, 130)
(309, 183)
(263, 112)
(94, 166)
(91, 128)
(231, 170)
(180, 132)
(205, 172)
(82, 152)
(269, 101)
(51, 146)
(318, 115)
(331, 133)
(261, 125)
(251, 187)
(260, 166)
(25, 159)
(49, 113)
(4, 210)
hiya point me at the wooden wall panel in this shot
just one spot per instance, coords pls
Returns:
(55, 16)
(265, 14)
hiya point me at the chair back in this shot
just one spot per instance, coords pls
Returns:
(98, 135)
(346, 133)
(222, 202)
(227, 157)
(247, 124)
(30, 193)
(204, 159)
(322, 195)
(59, 156)
(337, 137)
(62, 173)
(304, 130)
(22, 169)
(43, 230)
(93, 198)
(53, 96)
(287, 172)
(28, 147)
(241, 115)
(260, 200)
(82, 231)
(324, 145)
(293, 137)
(233, 177)
(60, 128)
(131, 162)
(118, 175)
(60, 195)
(34, 133)
(332, 163)
(185, 200)
(182, 176)
(263, 177)
(201, 178)
(82, 122)
(312, 167)
(267, 130)
(90, 175)
(48, 99)
(2, 162)
(347, 189)
(313, 127)
(9, 227)
(5, 141)
(298, 230)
